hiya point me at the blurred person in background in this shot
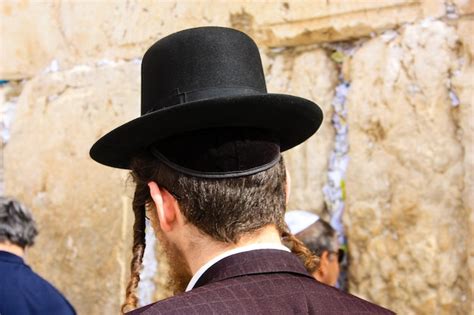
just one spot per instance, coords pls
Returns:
(321, 239)
(22, 291)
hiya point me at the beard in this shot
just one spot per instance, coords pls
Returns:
(179, 273)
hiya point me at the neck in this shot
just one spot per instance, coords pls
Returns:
(199, 252)
(12, 249)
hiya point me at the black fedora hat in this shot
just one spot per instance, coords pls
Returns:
(202, 79)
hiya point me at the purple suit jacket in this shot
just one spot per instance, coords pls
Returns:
(263, 281)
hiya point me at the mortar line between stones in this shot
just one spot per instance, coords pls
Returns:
(329, 16)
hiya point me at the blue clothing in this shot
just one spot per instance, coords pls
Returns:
(23, 292)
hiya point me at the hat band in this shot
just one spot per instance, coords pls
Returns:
(214, 175)
(178, 97)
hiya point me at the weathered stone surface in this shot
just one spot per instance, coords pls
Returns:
(343, 20)
(406, 216)
(464, 30)
(33, 36)
(463, 85)
(410, 181)
(72, 32)
(464, 6)
(83, 208)
(313, 75)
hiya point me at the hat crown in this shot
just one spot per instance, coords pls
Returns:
(200, 63)
(201, 79)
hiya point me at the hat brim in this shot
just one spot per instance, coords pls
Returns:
(292, 119)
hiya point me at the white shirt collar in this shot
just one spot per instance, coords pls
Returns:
(228, 253)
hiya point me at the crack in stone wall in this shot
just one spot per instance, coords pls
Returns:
(9, 92)
(334, 189)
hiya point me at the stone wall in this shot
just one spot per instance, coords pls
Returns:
(83, 209)
(408, 190)
(406, 176)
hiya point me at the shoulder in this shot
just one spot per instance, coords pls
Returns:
(28, 290)
(324, 297)
(269, 293)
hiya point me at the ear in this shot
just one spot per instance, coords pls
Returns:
(323, 263)
(166, 206)
(287, 186)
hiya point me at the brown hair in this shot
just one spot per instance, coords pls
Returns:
(224, 209)
(140, 199)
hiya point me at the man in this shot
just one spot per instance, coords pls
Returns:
(205, 157)
(321, 239)
(21, 290)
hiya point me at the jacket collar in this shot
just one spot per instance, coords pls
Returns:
(11, 258)
(253, 262)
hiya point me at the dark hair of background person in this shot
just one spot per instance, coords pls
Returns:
(17, 225)
(224, 209)
(319, 237)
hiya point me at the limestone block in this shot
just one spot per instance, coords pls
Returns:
(406, 175)
(433, 8)
(293, 23)
(127, 29)
(464, 29)
(310, 74)
(323, 21)
(463, 84)
(76, 32)
(29, 37)
(464, 7)
(82, 208)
